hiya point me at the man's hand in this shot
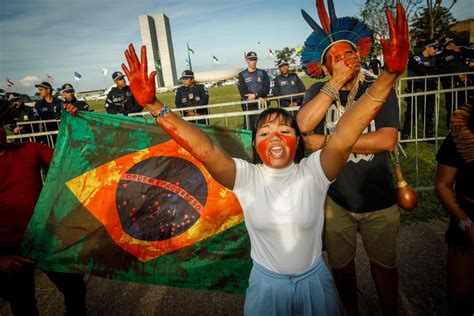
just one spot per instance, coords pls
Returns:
(250, 96)
(142, 85)
(262, 103)
(396, 52)
(345, 69)
(71, 109)
(11, 264)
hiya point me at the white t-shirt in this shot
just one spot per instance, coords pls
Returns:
(283, 211)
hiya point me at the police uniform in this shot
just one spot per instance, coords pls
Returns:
(419, 65)
(49, 110)
(450, 61)
(23, 114)
(79, 105)
(256, 82)
(290, 84)
(121, 101)
(195, 95)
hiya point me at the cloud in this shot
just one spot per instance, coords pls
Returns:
(28, 81)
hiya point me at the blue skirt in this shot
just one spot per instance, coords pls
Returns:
(309, 293)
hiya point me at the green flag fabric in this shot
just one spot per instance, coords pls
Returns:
(122, 200)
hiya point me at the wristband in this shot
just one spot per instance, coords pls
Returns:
(164, 110)
(465, 223)
(330, 91)
(326, 140)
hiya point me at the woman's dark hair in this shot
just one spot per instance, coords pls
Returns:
(289, 119)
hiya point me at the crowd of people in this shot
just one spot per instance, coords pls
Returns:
(347, 126)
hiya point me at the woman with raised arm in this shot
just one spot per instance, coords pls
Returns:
(282, 198)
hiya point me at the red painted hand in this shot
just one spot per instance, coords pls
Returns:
(396, 52)
(142, 85)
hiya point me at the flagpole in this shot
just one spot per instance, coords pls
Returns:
(189, 58)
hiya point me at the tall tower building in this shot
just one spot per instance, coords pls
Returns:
(156, 36)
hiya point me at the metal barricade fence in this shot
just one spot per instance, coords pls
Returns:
(232, 115)
(425, 96)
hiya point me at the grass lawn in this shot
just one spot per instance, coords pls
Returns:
(428, 208)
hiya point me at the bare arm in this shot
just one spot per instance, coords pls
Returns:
(352, 124)
(355, 120)
(382, 140)
(313, 112)
(219, 164)
(445, 176)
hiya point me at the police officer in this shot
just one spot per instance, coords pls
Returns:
(451, 60)
(67, 90)
(192, 94)
(19, 112)
(421, 64)
(120, 99)
(48, 108)
(253, 84)
(287, 83)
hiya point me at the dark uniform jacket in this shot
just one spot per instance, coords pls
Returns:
(291, 84)
(49, 111)
(22, 114)
(418, 65)
(450, 61)
(80, 105)
(253, 82)
(195, 95)
(121, 102)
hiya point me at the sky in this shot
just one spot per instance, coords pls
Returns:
(60, 37)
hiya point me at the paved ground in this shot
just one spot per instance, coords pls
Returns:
(422, 262)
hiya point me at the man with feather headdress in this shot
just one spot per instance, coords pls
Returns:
(362, 198)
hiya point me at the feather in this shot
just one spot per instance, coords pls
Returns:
(312, 23)
(332, 14)
(323, 16)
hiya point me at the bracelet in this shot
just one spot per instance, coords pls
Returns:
(326, 140)
(164, 110)
(374, 99)
(330, 91)
(465, 223)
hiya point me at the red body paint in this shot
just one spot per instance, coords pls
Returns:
(396, 52)
(288, 141)
(340, 51)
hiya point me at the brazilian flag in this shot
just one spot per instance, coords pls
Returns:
(122, 200)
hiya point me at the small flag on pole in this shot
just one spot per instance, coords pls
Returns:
(272, 54)
(192, 51)
(10, 83)
(77, 76)
(214, 58)
(104, 71)
(157, 64)
(187, 61)
(50, 79)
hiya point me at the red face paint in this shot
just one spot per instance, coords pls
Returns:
(287, 140)
(337, 52)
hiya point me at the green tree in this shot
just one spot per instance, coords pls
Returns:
(286, 53)
(432, 22)
(372, 12)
